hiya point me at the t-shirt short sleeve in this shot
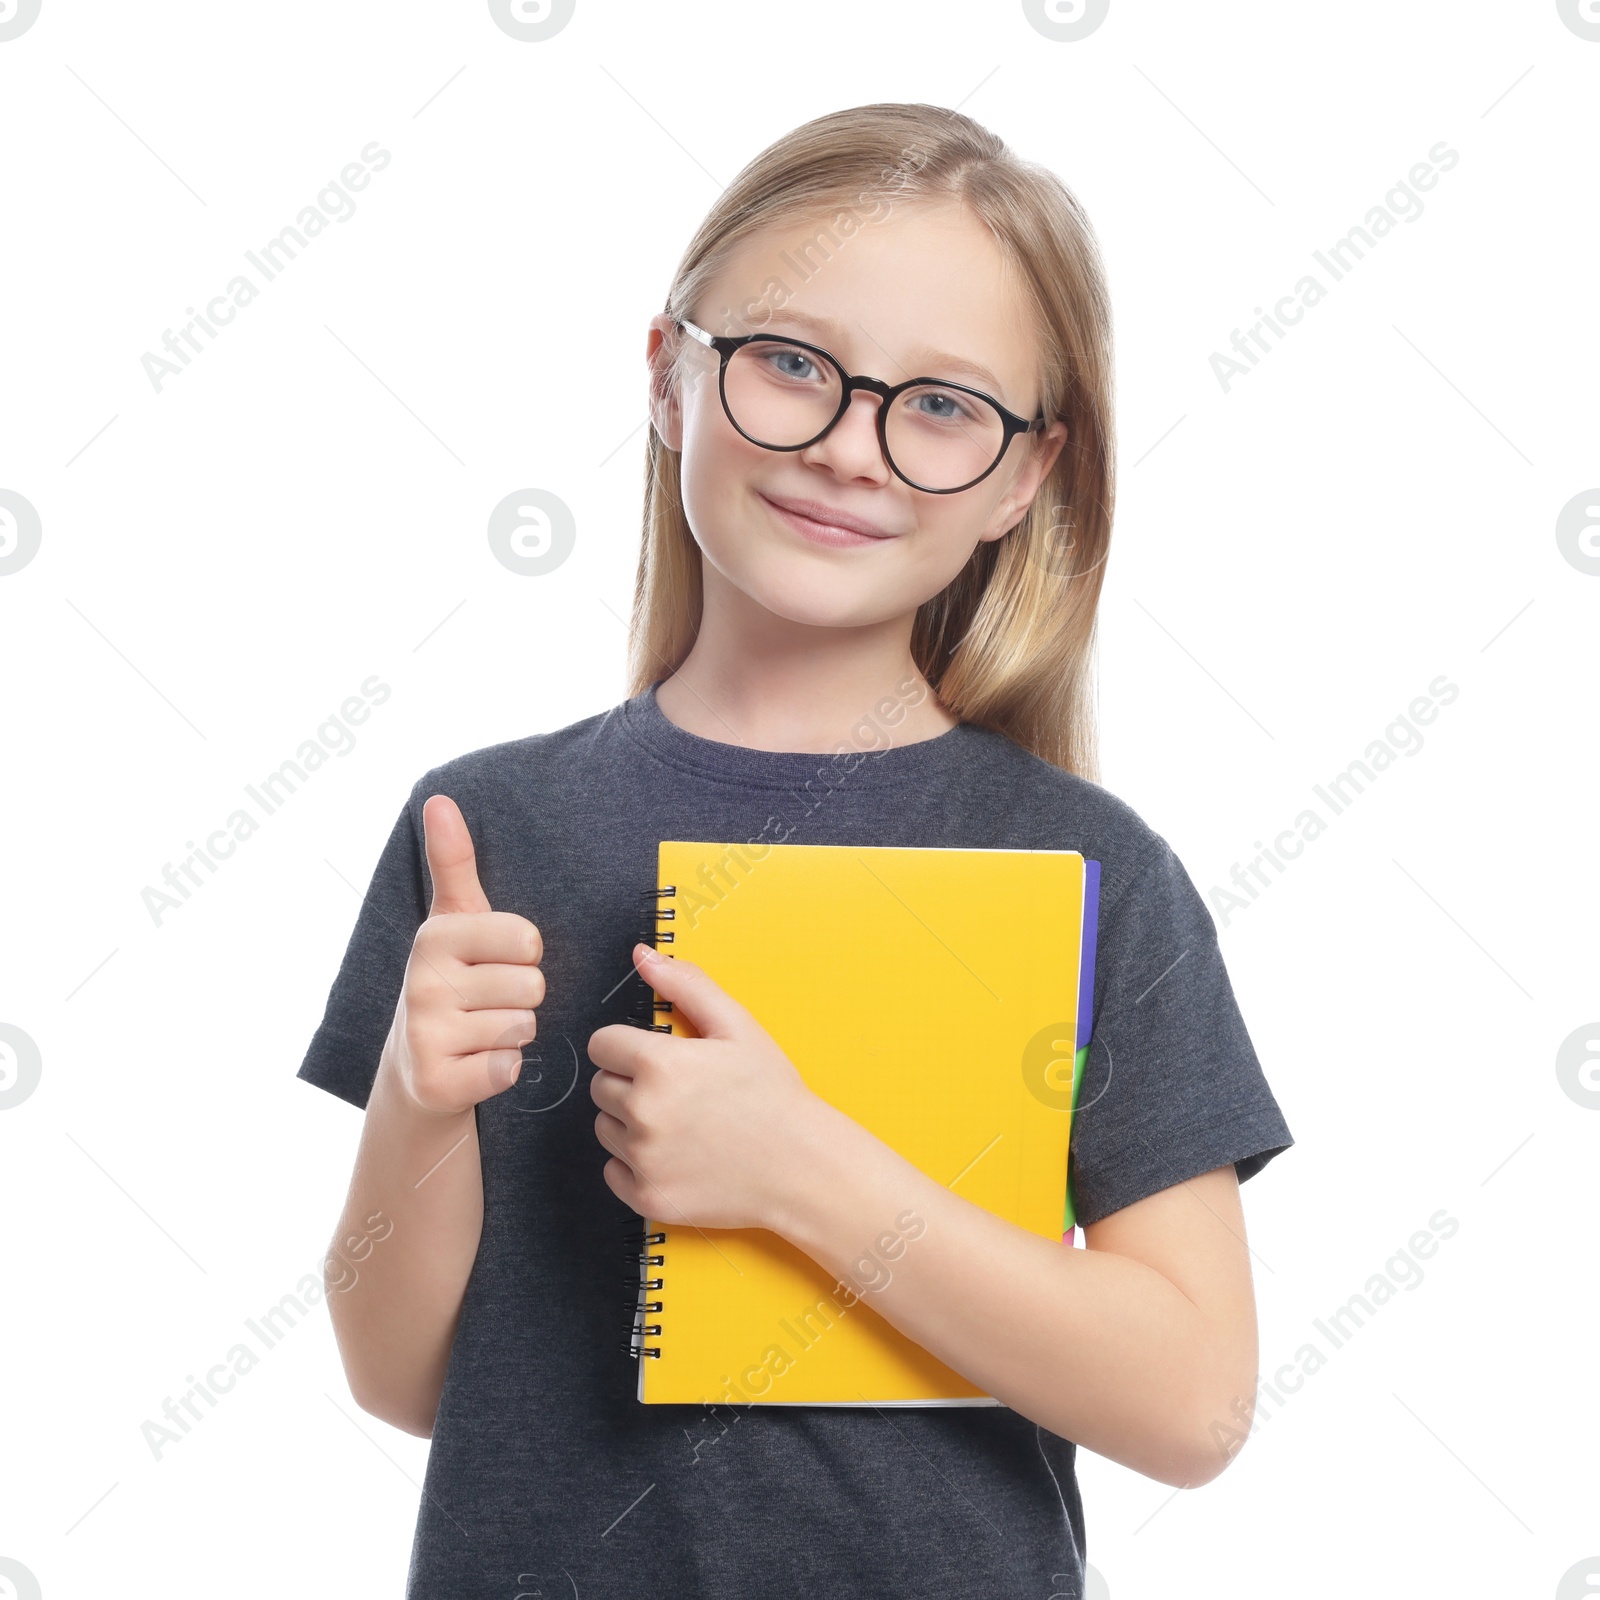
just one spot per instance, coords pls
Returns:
(1172, 1087)
(344, 1051)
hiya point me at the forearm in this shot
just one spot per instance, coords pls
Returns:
(1099, 1348)
(395, 1314)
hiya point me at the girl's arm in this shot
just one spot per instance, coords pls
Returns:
(1136, 1347)
(394, 1314)
(467, 1006)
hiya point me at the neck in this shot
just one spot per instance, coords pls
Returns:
(759, 680)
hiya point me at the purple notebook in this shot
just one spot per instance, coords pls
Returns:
(1091, 920)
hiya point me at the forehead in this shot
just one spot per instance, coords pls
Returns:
(885, 296)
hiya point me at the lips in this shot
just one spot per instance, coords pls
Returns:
(825, 523)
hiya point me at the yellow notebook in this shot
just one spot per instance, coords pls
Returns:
(931, 995)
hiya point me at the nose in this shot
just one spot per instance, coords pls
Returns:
(850, 448)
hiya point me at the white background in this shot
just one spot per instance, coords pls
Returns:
(224, 562)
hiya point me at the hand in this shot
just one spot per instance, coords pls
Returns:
(704, 1131)
(467, 1004)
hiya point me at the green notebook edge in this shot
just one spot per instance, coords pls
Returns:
(1079, 1062)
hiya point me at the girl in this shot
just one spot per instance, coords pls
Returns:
(879, 490)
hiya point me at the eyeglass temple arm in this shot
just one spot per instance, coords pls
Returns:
(697, 333)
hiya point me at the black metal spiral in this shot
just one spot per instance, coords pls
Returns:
(644, 1008)
(643, 1012)
(638, 1252)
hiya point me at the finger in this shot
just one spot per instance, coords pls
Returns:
(461, 1081)
(622, 1048)
(493, 1070)
(611, 1134)
(495, 985)
(478, 1031)
(609, 1091)
(484, 936)
(622, 1183)
(452, 862)
(712, 1012)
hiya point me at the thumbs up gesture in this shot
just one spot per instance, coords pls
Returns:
(467, 1003)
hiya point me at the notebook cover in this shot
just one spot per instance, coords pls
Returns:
(933, 996)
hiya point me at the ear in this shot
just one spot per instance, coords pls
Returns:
(666, 408)
(1013, 505)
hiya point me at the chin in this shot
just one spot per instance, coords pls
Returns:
(805, 593)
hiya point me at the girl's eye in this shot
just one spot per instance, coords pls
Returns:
(788, 362)
(939, 405)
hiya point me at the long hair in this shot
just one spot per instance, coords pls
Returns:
(1009, 642)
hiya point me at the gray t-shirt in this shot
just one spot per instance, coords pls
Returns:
(546, 1475)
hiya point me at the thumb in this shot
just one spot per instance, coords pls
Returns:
(452, 862)
(711, 1010)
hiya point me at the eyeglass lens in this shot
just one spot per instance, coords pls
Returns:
(783, 395)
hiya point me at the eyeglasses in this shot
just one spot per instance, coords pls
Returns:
(785, 394)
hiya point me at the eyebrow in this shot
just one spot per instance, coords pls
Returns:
(940, 362)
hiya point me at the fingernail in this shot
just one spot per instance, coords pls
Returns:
(643, 954)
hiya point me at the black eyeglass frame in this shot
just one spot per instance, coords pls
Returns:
(726, 344)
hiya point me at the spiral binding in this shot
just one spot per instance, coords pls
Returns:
(641, 1307)
(636, 1250)
(642, 1015)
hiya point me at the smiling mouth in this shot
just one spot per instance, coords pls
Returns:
(817, 530)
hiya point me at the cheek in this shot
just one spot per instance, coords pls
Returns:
(949, 526)
(715, 472)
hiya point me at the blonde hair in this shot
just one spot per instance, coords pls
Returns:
(1009, 642)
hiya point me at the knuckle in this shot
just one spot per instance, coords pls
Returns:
(430, 1043)
(427, 1085)
(642, 1113)
(422, 985)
